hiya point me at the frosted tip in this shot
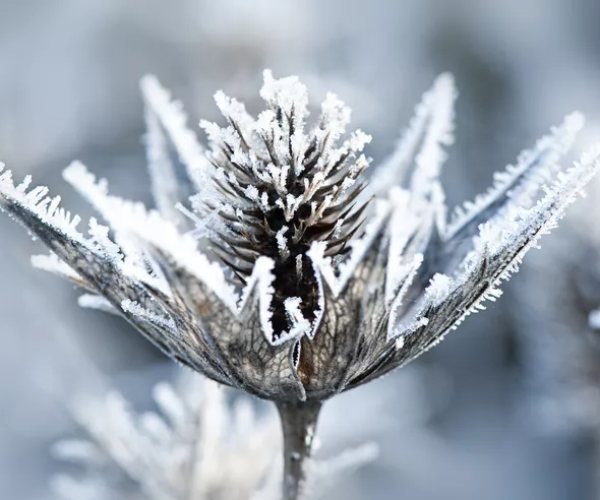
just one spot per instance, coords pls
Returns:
(149, 83)
(445, 83)
(575, 120)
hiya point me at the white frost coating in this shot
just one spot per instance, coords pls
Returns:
(52, 264)
(532, 170)
(162, 234)
(35, 200)
(122, 215)
(358, 140)
(173, 119)
(300, 325)
(291, 96)
(431, 126)
(163, 177)
(252, 193)
(93, 301)
(202, 225)
(233, 109)
(408, 273)
(113, 209)
(282, 242)
(438, 207)
(440, 133)
(99, 237)
(594, 319)
(159, 319)
(50, 213)
(337, 277)
(262, 279)
(500, 234)
(402, 224)
(95, 190)
(127, 254)
(268, 147)
(335, 115)
(289, 93)
(439, 289)
(266, 150)
(502, 231)
(406, 327)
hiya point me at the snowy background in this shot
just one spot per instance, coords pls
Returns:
(499, 410)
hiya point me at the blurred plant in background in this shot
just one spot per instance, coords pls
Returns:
(201, 445)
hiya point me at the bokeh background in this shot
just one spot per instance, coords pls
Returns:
(502, 409)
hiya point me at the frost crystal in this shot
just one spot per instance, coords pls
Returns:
(304, 287)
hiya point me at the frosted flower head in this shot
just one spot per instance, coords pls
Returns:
(278, 189)
(300, 278)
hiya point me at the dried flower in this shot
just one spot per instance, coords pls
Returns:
(319, 280)
(199, 446)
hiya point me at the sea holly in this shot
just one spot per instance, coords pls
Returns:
(290, 272)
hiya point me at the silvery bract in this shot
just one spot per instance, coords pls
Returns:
(312, 278)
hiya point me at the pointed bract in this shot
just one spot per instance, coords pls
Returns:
(294, 284)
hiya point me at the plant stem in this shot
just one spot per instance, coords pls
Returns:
(298, 423)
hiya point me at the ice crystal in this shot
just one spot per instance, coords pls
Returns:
(199, 445)
(308, 279)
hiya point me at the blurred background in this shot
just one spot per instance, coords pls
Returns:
(505, 408)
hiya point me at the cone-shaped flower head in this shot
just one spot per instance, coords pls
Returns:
(290, 272)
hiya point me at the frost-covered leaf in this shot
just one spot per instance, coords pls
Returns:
(294, 285)
(421, 144)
